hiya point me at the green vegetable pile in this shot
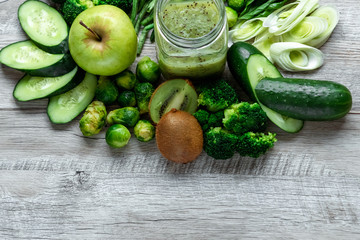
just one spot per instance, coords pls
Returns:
(132, 93)
(121, 102)
(229, 125)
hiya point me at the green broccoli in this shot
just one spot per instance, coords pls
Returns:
(219, 143)
(72, 8)
(215, 119)
(208, 120)
(203, 118)
(125, 5)
(255, 144)
(245, 117)
(216, 95)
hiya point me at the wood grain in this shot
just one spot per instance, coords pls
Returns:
(57, 184)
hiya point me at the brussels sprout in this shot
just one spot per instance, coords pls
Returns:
(237, 5)
(127, 116)
(117, 136)
(143, 92)
(147, 70)
(144, 131)
(127, 99)
(94, 119)
(106, 90)
(126, 79)
(231, 16)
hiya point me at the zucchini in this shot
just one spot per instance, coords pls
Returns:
(305, 99)
(248, 66)
(25, 56)
(44, 25)
(65, 107)
(31, 87)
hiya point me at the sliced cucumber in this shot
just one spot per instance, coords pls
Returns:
(248, 66)
(305, 99)
(44, 25)
(25, 56)
(31, 87)
(65, 107)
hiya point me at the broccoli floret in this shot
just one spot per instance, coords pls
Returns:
(255, 144)
(215, 119)
(203, 118)
(219, 143)
(125, 5)
(208, 120)
(245, 117)
(216, 95)
(72, 8)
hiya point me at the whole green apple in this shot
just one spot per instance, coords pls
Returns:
(102, 40)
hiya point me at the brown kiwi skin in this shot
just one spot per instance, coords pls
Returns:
(158, 87)
(179, 136)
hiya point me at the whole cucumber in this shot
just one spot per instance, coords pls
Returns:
(305, 99)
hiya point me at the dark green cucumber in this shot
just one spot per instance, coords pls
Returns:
(65, 107)
(25, 56)
(31, 87)
(248, 66)
(305, 99)
(44, 25)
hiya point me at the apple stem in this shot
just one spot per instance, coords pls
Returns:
(92, 31)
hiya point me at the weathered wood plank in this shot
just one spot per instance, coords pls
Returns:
(93, 205)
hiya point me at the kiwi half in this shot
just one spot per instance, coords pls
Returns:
(179, 94)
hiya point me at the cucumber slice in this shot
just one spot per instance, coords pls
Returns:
(305, 99)
(25, 56)
(248, 66)
(44, 25)
(65, 107)
(31, 87)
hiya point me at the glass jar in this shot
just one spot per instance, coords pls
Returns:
(191, 38)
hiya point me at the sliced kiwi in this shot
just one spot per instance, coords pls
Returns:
(177, 93)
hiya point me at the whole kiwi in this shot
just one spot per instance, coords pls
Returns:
(179, 136)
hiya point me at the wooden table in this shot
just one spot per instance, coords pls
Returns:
(57, 184)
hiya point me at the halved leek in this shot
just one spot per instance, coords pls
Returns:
(263, 42)
(287, 17)
(331, 15)
(308, 29)
(296, 57)
(246, 30)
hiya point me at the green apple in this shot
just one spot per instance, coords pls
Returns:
(102, 40)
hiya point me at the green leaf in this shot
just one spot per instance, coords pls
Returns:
(254, 9)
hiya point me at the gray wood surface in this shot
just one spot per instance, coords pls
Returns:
(57, 184)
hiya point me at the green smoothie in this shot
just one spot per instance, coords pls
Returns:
(190, 19)
(194, 21)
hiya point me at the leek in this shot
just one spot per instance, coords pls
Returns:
(296, 57)
(308, 29)
(264, 41)
(287, 17)
(246, 30)
(331, 15)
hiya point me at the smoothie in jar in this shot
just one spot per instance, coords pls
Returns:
(191, 38)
